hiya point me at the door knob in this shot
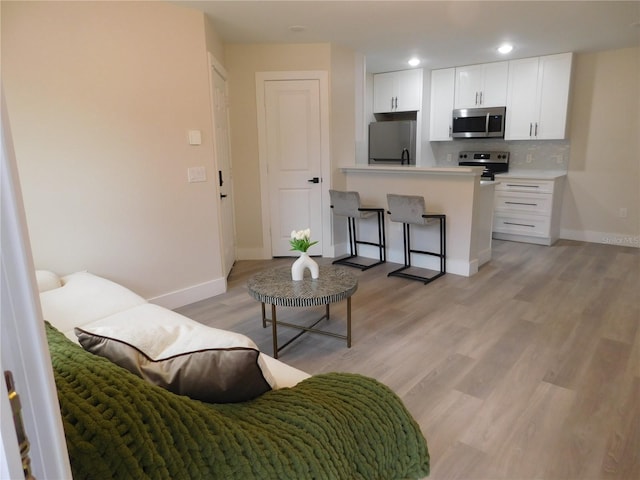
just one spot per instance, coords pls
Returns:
(314, 180)
(223, 195)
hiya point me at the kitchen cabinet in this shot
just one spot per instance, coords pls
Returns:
(527, 207)
(538, 98)
(483, 85)
(397, 91)
(442, 93)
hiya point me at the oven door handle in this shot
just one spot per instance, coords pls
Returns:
(486, 125)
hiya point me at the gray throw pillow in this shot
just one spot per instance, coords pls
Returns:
(203, 363)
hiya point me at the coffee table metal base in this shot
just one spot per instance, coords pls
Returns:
(327, 316)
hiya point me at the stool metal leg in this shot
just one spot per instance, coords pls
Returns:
(382, 241)
(354, 242)
(406, 233)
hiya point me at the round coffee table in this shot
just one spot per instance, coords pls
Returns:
(274, 286)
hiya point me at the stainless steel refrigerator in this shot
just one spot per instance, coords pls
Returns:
(392, 142)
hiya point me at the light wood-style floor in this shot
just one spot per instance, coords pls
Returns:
(530, 369)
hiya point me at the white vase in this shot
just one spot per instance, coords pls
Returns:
(303, 262)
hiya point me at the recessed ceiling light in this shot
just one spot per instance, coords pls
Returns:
(297, 28)
(505, 48)
(414, 62)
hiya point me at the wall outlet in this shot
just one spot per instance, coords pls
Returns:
(529, 157)
(622, 212)
(558, 159)
(449, 157)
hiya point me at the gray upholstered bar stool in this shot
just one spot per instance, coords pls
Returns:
(347, 204)
(410, 210)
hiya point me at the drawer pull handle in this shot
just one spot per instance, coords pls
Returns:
(519, 224)
(520, 185)
(522, 203)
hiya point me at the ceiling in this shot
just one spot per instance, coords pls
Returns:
(440, 33)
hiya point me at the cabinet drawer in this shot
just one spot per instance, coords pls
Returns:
(521, 224)
(523, 202)
(519, 185)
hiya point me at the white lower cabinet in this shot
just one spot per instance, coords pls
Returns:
(527, 208)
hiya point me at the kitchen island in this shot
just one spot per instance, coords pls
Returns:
(458, 192)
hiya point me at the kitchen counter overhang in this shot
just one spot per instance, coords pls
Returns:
(411, 170)
(455, 191)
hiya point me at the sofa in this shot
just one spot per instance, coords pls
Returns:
(145, 392)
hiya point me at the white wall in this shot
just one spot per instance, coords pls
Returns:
(604, 168)
(101, 96)
(242, 63)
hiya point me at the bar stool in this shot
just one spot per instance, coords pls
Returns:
(410, 210)
(347, 204)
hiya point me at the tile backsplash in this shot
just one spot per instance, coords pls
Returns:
(524, 155)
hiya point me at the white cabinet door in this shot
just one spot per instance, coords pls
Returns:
(468, 86)
(522, 99)
(554, 80)
(538, 98)
(483, 85)
(442, 93)
(494, 85)
(383, 92)
(409, 90)
(397, 91)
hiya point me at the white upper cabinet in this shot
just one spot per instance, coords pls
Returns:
(442, 92)
(538, 98)
(483, 85)
(397, 91)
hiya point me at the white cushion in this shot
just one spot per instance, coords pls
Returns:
(47, 280)
(283, 375)
(83, 298)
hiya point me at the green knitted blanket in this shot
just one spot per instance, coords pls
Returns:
(331, 426)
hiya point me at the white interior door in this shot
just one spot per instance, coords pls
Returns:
(294, 160)
(224, 175)
(23, 343)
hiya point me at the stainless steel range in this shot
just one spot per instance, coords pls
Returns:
(493, 162)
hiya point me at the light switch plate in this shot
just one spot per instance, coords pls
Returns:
(195, 137)
(196, 174)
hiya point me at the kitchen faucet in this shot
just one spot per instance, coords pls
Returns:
(404, 150)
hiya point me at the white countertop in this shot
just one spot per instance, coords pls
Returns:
(410, 169)
(530, 174)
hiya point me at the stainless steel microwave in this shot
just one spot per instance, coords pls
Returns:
(478, 122)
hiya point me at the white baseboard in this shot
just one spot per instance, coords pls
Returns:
(192, 294)
(340, 249)
(251, 254)
(260, 254)
(601, 237)
(459, 267)
(484, 256)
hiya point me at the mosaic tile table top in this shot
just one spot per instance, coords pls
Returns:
(274, 286)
